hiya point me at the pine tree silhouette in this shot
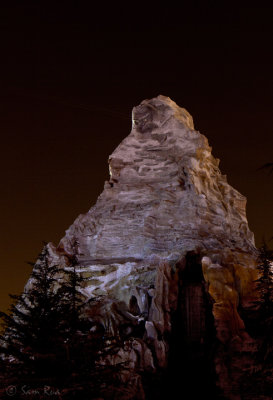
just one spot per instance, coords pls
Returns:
(259, 380)
(268, 166)
(265, 303)
(47, 339)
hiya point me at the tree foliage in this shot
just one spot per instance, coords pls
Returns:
(46, 338)
(268, 167)
(32, 326)
(265, 282)
(259, 380)
(265, 304)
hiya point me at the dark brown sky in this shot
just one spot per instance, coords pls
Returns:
(70, 75)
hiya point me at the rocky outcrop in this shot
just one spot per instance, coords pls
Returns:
(167, 245)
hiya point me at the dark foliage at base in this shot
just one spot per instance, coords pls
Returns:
(259, 322)
(47, 345)
(50, 347)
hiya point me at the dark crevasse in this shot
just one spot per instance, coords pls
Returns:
(190, 373)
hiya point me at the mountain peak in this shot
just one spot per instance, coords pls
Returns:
(166, 234)
(155, 112)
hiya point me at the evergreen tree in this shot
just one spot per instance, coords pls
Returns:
(86, 342)
(31, 338)
(268, 166)
(73, 301)
(46, 339)
(261, 377)
(265, 304)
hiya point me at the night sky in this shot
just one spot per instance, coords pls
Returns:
(70, 75)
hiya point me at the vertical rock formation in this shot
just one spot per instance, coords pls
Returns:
(167, 247)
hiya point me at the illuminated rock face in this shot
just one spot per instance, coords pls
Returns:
(165, 199)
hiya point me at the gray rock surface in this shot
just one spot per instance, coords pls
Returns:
(166, 198)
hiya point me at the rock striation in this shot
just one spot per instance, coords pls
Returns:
(166, 244)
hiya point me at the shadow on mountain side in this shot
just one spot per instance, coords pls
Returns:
(190, 373)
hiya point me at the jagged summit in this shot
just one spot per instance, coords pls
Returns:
(162, 105)
(165, 194)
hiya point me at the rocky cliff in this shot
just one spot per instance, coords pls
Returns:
(167, 249)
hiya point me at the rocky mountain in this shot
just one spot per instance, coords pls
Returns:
(169, 255)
